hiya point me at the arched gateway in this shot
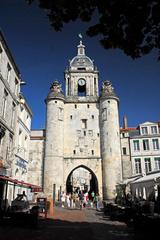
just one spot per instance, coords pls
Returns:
(82, 129)
(91, 181)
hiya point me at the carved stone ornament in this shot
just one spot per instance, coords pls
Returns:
(107, 89)
(56, 87)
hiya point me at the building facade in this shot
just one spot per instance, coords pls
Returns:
(15, 125)
(141, 148)
(9, 98)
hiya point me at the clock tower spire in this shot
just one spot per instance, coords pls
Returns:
(81, 76)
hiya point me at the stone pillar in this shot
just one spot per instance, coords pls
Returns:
(53, 161)
(110, 141)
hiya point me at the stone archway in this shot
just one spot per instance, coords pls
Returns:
(82, 178)
(92, 165)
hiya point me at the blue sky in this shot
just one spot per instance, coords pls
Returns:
(42, 55)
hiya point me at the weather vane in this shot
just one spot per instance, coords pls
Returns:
(80, 36)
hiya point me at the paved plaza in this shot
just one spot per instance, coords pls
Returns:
(68, 224)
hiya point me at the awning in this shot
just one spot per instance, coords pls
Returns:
(130, 180)
(34, 188)
(150, 177)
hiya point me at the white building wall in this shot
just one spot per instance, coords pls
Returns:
(20, 168)
(9, 90)
(141, 153)
(126, 158)
(36, 158)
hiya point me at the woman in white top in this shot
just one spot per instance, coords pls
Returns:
(63, 197)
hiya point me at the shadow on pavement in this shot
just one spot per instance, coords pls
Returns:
(50, 229)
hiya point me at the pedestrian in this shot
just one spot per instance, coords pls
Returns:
(73, 200)
(92, 198)
(97, 201)
(85, 199)
(81, 198)
(68, 200)
(63, 198)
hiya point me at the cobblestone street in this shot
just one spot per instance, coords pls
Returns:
(68, 224)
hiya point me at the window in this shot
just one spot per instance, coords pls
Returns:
(25, 144)
(8, 72)
(104, 114)
(155, 144)
(88, 106)
(92, 116)
(124, 151)
(78, 132)
(16, 87)
(92, 152)
(84, 123)
(81, 50)
(70, 116)
(90, 133)
(136, 145)
(157, 163)
(10, 142)
(82, 88)
(74, 151)
(81, 68)
(13, 114)
(4, 103)
(144, 130)
(75, 105)
(145, 144)
(21, 108)
(60, 115)
(147, 165)
(154, 130)
(84, 133)
(2, 133)
(0, 57)
(138, 168)
(95, 84)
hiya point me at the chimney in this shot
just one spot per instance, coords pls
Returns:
(125, 123)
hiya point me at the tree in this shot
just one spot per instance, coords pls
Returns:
(130, 25)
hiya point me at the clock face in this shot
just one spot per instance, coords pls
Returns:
(81, 82)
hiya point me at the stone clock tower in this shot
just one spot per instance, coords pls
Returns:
(81, 76)
(82, 131)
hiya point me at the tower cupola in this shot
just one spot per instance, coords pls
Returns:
(81, 61)
(55, 91)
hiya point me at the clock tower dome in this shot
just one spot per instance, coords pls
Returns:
(81, 77)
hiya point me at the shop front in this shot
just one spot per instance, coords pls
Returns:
(9, 188)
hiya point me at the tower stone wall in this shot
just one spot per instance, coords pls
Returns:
(53, 163)
(110, 141)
